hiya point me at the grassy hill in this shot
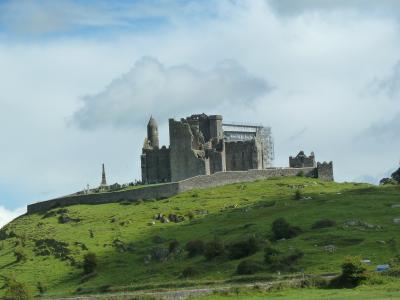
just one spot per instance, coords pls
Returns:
(127, 240)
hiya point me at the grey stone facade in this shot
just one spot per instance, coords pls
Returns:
(301, 160)
(199, 156)
(197, 147)
(325, 171)
(155, 162)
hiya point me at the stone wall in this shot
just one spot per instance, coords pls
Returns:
(325, 171)
(243, 155)
(302, 160)
(155, 165)
(185, 162)
(229, 177)
(171, 189)
(145, 192)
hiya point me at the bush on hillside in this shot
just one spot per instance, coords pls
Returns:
(19, 254)
(297, 195)
(173, 246)
(243, 248)
(214, 249)
(190, 215)
(16, 290)
(276, 260)
(353, 273)
(89, 263)
(189, 272)
(271, 254)
(41, 287)
(248, 267)
(281, 229)
(194, 247)
(323, 223)
(301, 174)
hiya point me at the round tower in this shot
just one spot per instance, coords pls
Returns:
(152, 133)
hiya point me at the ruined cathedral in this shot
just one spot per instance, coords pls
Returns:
(202, 145)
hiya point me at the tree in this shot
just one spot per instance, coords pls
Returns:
(89, 263)
(17, 290)
(281, 229)
(19, 254)
(353, 273)
(214, 249)
(243, 248)
(194, 247)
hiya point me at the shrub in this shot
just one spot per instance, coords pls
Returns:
(189, 272)
(353, 273)
(324, 223)
(290, 259)
(19, 254)
(89, 263)
(214, 249)
(297, 195)
(194, 247)
(16, 290)
(271, 254)
(281, 229)
(173, 246)
(41, 288)
(248, 267)
(190, 215)
(243, 248)
(278, 260)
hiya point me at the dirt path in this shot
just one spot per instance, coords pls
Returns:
(184, 293)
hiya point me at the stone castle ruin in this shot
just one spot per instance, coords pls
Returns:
(204, 152)
(204, 145)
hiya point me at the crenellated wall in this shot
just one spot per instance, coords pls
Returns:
(155, 164)
(325, 171)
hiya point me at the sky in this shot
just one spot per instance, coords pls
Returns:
(80, 79)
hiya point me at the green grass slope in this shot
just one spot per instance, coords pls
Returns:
(122, 234)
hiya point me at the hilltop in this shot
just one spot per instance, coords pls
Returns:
(136, 247)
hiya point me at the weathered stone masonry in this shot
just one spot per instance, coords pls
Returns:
(200, 155)
(170, 189)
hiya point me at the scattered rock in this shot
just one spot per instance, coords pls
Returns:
(175, 218)
(361, 225)
(119, 245)
(395, 206)
(330, 248)
(396, 220)
(159, 254)
(63, 219)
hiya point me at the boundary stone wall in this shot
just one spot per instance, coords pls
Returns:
(171, 189)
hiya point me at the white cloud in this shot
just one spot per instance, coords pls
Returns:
(7, 216)
(320, 63)
(389, 84)
(151, 87)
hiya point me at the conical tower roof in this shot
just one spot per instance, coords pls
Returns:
(152, 122)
